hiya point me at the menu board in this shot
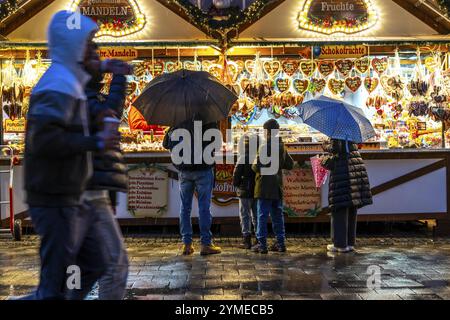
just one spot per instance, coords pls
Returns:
(301, 197)
(147, 192)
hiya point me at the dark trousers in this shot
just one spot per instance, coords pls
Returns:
(69, 237)
(343, 227)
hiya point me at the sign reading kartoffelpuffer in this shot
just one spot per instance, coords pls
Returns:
(115, 18)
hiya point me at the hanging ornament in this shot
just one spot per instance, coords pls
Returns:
(29, 73)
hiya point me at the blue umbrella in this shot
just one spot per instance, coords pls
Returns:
(337, 119)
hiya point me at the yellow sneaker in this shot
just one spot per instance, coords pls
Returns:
(188, 249)
(211, 249)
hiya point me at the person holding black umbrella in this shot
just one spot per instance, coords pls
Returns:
(191, 103)
(197, 177)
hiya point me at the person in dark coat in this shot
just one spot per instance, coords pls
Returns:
(349, 190)
(244, 181)
(269, 188)
(110, 175)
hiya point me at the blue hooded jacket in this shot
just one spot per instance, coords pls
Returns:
(58, 144)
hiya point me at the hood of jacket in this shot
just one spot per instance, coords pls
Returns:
(68, 34)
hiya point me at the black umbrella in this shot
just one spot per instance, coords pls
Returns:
(172, 98)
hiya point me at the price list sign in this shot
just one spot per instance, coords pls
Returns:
(147, 192)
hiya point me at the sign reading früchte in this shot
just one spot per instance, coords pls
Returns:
(337, 16)
(115, 18)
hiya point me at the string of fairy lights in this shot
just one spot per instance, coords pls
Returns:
(8, 7)
(445, 6)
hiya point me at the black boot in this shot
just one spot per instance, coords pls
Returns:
(246, 242)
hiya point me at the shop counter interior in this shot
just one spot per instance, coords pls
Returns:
(407, 184)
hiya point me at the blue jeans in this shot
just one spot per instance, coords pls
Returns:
(248, 215)
(275, 209)
(202, 182)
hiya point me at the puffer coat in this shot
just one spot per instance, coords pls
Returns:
(349, 183)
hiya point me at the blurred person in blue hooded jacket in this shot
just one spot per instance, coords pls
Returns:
(58, 162)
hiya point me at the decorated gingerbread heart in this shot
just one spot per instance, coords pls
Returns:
(233, 71)
(244, 83)
(301, 85)
(249, 65)
(353, 83)
(283, 84)
(172, 66)
(272, 68)
(157, 68)
(308, 68)
(206, 64)
(362, 65)
(193, 65)
(216, 70)
(336, 86)
(380, 65)
(344, 66)
(317, 85)
(371, 84)
(326, 68)
(289, 67)
(431, 64)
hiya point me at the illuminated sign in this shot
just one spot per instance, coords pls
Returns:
(115, 18)
(337, 16)
(125, 54)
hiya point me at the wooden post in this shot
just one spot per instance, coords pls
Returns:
(444, 129)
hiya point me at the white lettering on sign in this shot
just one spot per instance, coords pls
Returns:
(333, 7)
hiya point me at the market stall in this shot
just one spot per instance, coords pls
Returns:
(373, 54)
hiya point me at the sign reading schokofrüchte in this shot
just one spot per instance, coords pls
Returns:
(337, 16)
(115, 18)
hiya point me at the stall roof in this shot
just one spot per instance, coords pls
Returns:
(162, 23)
(399, 19)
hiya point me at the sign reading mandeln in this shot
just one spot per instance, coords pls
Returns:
(115, 18)
(125, 54)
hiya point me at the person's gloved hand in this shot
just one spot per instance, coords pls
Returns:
(118, 67)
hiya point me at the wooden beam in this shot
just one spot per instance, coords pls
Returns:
(175, 8)
(409, 177)
(266, 10)
(25, 13)
(425, 14)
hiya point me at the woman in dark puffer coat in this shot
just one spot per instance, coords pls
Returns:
(349, 190)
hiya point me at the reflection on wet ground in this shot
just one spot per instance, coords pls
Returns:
(410, 268)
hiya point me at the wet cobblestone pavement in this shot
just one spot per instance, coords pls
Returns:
(411, 268)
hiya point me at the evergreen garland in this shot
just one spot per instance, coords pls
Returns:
(231, 18)
(445, 6)
(7, 7)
